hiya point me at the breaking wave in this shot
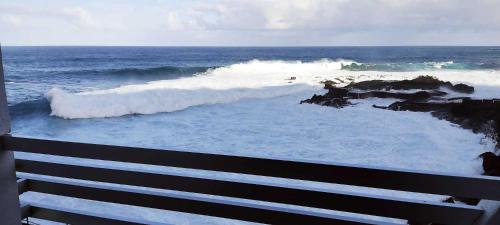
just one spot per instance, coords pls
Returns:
(252, 79)
(71, 106)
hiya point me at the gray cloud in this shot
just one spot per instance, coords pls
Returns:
(254, 22)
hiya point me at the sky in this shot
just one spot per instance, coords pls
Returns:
(250, 22)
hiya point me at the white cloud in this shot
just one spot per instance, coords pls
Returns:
(81, 16)
(254, 22)
(11, 20)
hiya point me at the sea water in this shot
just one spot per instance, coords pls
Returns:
(243, 101)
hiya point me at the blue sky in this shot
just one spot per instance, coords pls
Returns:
(250, 22)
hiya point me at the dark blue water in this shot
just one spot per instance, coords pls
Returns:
(31, 71)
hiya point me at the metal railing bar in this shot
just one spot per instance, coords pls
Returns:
(74, 216)
(395, 179)
(415, 210)
(190, 204)
(22, 186)
(25, 210)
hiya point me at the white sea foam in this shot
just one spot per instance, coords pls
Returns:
(253, 79)
(153, 100)
(272, 127)
(440, 65)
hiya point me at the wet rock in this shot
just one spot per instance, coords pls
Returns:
(479, 115)
(463, 88)
(421, 82)
(329, 84)
(339, 97)
(417, 106)
(337, 93)
(491, 163)
(335, 97)
(419, 95)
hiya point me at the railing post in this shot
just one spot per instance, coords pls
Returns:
(10, 212)
(491, 215)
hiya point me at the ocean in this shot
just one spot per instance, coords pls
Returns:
(242, 101)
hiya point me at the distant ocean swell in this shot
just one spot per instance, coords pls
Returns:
(338, 63)
(419, 66)
(159, 70)
(152, 71)
(30, 108)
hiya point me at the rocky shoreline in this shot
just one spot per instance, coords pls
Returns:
(426, 94)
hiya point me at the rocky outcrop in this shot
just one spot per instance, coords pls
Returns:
(421, 82)
(479, 115)
(339, 97)
(491, 163)
(335, 97)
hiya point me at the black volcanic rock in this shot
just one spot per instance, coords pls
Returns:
(479, 115)
(491, 163)
(335, 97)
(329, 84)
(421, 82)
(419, 95)
(339, 97)
(463, 88)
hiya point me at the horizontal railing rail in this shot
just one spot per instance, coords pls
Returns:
(394, 179)
(189, 204)
(335, 200)
(71, 216)
(384, 206)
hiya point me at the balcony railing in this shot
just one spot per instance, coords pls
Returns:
(29, 179)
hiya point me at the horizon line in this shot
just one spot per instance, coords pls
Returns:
(250, 46)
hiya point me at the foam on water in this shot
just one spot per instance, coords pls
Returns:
(253, 79)
(258, 115)
(235, 110)
(273, 127)
(153, 100)
(424, 66)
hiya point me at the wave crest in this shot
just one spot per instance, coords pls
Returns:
(73, 106)
(252, 79)
(426, 66)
